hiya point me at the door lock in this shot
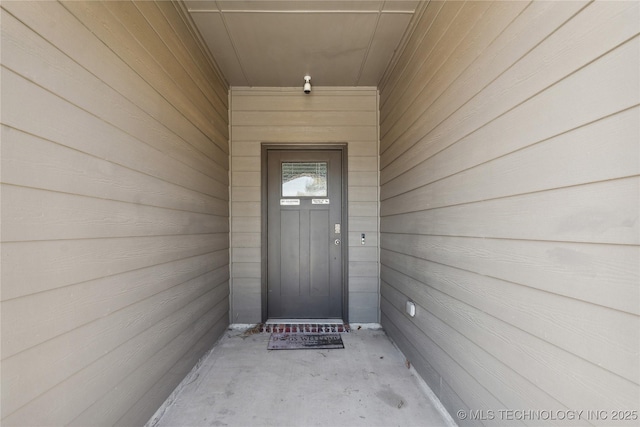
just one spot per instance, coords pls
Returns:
(336, 242)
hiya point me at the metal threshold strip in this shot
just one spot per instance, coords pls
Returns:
(305, 321)
(301, 326)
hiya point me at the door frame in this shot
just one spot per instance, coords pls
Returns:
(264, 209)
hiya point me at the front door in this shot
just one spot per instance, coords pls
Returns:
(304, 234)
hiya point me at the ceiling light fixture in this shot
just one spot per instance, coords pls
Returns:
(307, 84)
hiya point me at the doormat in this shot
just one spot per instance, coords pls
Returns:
(300, 341)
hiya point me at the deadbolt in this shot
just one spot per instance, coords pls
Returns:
(337, 242)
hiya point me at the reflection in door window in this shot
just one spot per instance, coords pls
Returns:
(304, 179)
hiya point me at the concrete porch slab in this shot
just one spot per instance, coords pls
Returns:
(241, 383)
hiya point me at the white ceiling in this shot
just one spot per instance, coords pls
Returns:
(277, 43)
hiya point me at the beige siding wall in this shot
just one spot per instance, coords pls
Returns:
(281, 115)
(114, 210)
(509, 205)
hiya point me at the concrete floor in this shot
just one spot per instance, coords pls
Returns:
(241, 383)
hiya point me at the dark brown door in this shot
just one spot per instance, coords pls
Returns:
(304, 259)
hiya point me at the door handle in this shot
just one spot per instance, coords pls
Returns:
(336, 242)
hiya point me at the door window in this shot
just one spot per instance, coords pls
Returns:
(304, 179)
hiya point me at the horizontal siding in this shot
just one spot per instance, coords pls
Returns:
(95, 137)
(175, 362)
(590, 153)
(55, 263)
(81, 304)
(37, 163)
(602, 212)
(538, 265)
(286, 115)
(46, 215)
(127, 33)
(531, 82)
(303, 118)
(306, 134)
(280, 99)
(509, 202)
(580, 328)
(58, 359)
(115, 246)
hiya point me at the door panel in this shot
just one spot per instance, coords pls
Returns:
(304, 234)
(318, 253)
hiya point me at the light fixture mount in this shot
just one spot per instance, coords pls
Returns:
(307, 85)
